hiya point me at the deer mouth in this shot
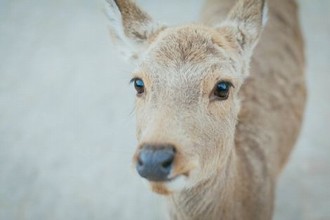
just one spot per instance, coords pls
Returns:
(169, 186)
(173, 177)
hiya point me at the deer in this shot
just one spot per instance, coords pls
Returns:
(219, 103)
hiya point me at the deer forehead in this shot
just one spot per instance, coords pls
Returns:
(188, 44)
(191, 52)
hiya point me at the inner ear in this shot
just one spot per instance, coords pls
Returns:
(244, 23)
(131, 26)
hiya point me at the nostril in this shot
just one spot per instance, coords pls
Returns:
(140, 163)
(167, 164)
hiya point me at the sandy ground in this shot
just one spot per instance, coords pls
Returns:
(67, 127)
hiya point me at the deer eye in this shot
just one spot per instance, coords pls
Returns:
(138, 85)
(221, 90)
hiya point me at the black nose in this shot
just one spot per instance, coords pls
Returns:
(155, 162)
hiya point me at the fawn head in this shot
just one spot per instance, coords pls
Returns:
(187, 81)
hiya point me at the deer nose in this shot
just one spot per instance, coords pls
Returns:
(155, 162)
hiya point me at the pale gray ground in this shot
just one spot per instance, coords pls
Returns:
(66, 127)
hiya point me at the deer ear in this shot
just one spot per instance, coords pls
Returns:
(131, 29)
(244, 24)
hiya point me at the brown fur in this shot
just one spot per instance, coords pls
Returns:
(229, 153)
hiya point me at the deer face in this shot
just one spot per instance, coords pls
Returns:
(187, 82)
(186, 112)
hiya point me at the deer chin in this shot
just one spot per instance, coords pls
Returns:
(175, 184)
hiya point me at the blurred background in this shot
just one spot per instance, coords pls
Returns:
(67, 128)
